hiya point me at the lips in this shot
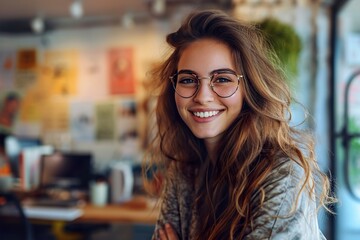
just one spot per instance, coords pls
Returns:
(205, 114)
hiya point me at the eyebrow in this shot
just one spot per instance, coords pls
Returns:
(220, 70)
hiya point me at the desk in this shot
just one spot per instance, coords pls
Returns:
(138, 210)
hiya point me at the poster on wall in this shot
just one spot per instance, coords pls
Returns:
(93, 75)
(31, 111)
(56, 118)
(121, 71)
(7, 69)
(26, 68)
(82, 121)
(105, 121)
(61, 71)
(127, 128)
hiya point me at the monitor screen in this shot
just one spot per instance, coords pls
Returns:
(66, 170)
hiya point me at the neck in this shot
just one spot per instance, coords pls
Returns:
(211, 147)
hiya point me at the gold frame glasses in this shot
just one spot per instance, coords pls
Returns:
(224, 82)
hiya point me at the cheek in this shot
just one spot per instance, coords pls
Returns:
(179, 102)
(235, 103)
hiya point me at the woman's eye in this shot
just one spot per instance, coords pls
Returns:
(187, 80)
(222, 80)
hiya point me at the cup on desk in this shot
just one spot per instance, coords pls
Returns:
(99, 193)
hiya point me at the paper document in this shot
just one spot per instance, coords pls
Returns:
(52, 213)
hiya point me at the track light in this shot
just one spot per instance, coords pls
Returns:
(158, 7)
(127, 20)
(37, 25)
(76, 9)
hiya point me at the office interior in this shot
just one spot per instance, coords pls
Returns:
(82, 70)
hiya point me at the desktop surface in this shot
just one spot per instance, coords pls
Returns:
(140, 209)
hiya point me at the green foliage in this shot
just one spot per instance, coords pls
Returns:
(285, 43)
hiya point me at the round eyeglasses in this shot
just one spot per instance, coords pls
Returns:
(224, 83)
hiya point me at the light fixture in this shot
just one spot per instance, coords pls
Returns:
(158, 7)
(76, 9)
(127, 20)
(37, 25)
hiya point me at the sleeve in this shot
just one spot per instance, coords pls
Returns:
(279, 218)
(169, 210)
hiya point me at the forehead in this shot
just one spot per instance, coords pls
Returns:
(205, 55)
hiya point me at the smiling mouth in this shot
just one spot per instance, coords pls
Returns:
(205, 114)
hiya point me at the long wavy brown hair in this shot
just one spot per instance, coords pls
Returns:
(251, 147)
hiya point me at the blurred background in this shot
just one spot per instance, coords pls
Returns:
(80, 70)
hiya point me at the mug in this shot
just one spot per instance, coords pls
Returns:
(122, 182)
(99, 193)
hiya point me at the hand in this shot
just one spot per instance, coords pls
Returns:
(167, 233)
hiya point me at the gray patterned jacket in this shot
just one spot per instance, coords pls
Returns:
(281, 190)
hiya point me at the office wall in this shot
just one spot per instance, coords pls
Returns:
(83, 90)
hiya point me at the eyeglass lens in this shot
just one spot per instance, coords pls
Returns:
(224, 84)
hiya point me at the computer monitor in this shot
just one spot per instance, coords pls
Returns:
(68, 171)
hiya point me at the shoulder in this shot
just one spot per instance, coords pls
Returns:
(287, 208)
(284, 186)
(285, 172)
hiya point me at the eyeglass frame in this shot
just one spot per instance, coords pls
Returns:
(211, 77)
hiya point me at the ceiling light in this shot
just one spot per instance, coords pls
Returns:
(158, 7)
(37, 25)
(76, 9)
(127, 20)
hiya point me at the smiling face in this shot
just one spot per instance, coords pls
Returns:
(206, 114)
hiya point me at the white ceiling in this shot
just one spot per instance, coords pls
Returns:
(14, 9)
(15, 15)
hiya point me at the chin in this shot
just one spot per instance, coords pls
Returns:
(205, 135)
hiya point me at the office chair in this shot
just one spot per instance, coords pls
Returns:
(14, 224)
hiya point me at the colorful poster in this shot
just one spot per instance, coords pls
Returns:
(127, 128)
(32, 108)
(105, 121)
(121, 72)
(56, 117)
(61, 71)
(7, 69)
(82, 121)
(26, 59)
(93, 75)
(26, 68)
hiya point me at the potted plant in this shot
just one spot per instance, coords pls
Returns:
(284, 41)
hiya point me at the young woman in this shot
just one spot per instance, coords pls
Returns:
(234, 168)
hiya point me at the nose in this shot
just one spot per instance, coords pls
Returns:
(204, 93)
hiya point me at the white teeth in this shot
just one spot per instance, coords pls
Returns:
(205, 114)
